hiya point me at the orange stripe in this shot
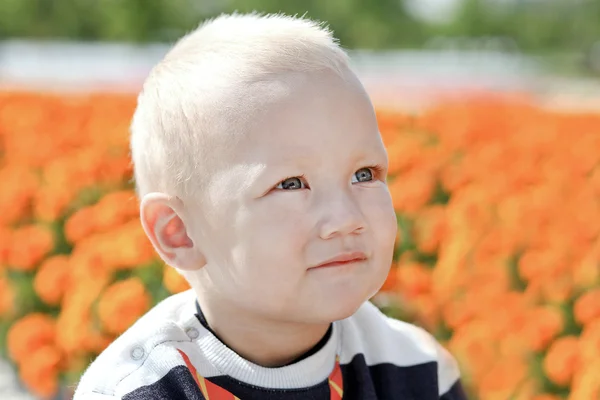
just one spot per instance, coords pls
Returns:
(335, 391)
(210, 391)
(336, 382)
(216, 392)
(190, 366)
(203, 387)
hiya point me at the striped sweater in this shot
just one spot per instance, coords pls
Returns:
(170, 354)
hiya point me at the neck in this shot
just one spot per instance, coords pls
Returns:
(261, 341)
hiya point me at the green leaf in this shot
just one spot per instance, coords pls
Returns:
(440, 195)
(516, 282)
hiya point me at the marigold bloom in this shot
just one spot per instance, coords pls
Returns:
(29, 245)
(413, 279)
(41, 370)
(18, 185)
(543, 325)
(28, 334)
(503, 378)
(80, 224)
(589, 343)
(562, 360)
(586, 384)
(122, 304)
(411, 191)
(430, 228)
(52, 279)
(51, 202)
(587, 307)
(7, 294)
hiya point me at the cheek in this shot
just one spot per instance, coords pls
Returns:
(381, 217)
(268, 257)
(272, 235)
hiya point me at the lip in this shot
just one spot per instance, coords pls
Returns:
(343, 259)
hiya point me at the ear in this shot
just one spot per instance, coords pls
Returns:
(161, 219)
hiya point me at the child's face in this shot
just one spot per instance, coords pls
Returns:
(306, 184)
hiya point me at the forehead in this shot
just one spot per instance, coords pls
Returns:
(293, 125)
(308, 115)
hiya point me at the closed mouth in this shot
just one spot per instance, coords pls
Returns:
(343, 259)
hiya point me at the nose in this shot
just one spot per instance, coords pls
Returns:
(341, 216)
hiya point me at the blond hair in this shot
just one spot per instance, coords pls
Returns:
(188, 95)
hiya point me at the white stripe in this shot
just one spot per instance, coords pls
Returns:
(385, 340)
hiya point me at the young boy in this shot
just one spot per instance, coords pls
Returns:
(262, 178)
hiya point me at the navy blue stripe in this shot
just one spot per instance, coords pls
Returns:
(248, 392)
(361, 382)
(178, 383)
(389, 381)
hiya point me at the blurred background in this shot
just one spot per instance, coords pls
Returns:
(490, 113)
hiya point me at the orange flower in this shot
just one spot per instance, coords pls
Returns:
(74, 323)
(496, 244)
(503, 378)
(586, 384)
(428, 311)
(40, 371)
(459, 311)
(51, 201)
(111, 211)
(80, 224)
(546, 397)
(174, 281)
(535, 263)
(586, 273)
(29, 245)
(587, 307)
(7, 294)
(472, 343)
(543, 324)
(562, 360)
(589, 343)
(413, 279)
(411, 191)
(403, 152)
(52, 279)
(88, 264)
(5, 244)
(18, 186)
(86, 164)
(429, 228)
(59, 173)
(126, 246)
(29, 334)
(116, 169)
(594, 181)
(132, 246)
(122, 304)
(114, 209)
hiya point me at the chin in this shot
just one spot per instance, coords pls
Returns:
(341, 308)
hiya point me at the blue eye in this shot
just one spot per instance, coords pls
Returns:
(291, 184)
(362, 175)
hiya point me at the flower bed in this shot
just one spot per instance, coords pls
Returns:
(498, 255)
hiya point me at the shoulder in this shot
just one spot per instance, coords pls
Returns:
(387, 343)
(147, 349)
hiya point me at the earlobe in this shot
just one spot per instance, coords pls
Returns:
(163, 223)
